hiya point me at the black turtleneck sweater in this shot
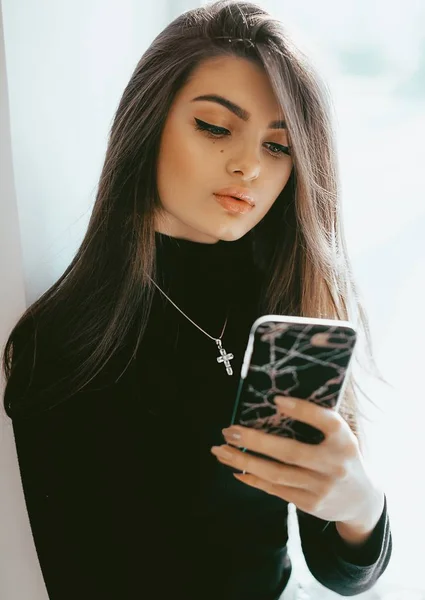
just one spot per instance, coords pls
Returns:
(124, 497)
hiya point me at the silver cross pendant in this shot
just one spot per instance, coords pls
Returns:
(224, 358)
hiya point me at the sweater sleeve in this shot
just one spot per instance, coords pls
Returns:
(338, 566)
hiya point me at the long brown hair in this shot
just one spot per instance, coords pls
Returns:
(87, 314)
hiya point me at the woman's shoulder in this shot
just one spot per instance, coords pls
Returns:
(46, 369)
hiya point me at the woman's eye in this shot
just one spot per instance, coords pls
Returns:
(213, 129)
(216, 131)
(280, 149)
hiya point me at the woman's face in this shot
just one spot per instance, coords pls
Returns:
(195, 164)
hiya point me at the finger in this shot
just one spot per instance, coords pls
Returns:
(301, 498)
(269, 470)
(325, 419)
(283, 449)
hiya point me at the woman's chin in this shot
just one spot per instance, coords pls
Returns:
(227, 231)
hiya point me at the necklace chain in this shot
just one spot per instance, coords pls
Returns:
(179, 309)
(224, 357)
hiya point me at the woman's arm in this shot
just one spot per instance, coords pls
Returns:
(341, 566)
(332, 486)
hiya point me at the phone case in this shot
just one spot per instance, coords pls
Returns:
(292, 356)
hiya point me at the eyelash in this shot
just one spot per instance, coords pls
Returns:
(208, 128)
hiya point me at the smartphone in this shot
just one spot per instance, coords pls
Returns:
(302, 357)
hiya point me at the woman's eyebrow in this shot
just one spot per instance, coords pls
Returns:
(235, 109)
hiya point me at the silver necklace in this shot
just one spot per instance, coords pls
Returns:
(224, 357)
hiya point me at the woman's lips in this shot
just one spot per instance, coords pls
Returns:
(233, 205)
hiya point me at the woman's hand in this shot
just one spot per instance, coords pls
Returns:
(328, 480)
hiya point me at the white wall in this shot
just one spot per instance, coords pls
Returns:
(16, 548)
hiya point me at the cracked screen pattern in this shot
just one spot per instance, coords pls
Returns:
(300, 360)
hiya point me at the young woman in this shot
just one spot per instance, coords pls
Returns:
(116, 396)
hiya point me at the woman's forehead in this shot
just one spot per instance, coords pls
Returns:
(242, 83)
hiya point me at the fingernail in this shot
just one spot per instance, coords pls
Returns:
(221, 452)
(231, 434)
(284, 402)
